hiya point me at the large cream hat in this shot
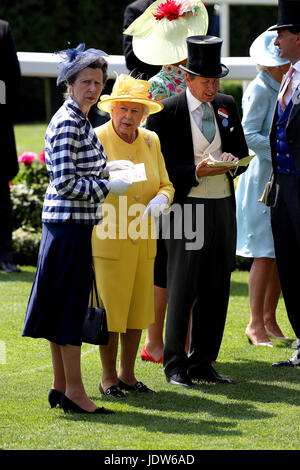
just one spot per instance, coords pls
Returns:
(159, 34)
(127, 88)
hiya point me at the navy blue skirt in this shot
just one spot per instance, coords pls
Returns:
(62, 284)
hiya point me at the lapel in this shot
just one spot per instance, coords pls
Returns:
(223, 120)
(83, 123)
(296, 106)
(296, 102)
(182, 118)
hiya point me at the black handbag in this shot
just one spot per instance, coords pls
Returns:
(95, 325)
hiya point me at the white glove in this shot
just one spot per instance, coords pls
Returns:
(156, 206)
(119, 165)
(119, 186)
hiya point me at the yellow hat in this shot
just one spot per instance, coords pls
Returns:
(127, 88)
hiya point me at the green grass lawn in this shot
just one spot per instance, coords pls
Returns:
(30, 137)
(259, 412)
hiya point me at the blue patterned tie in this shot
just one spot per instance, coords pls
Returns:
(208, 123)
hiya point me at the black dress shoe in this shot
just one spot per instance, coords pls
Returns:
(139, 387)
(69, 405)
(9, 267)
(112, 392)
(180, 379)
(292, 362)
(208, 374)
(54, 397)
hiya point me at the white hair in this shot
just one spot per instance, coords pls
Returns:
(113, 104)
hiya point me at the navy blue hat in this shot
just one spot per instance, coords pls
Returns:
(76, 59)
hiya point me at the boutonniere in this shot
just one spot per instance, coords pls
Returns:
(224, 116)
(148, 140)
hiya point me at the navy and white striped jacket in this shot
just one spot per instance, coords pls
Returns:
(75, 161)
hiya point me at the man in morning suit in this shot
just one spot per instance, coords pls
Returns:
(284, 197)
(199, 274)
(137, 68)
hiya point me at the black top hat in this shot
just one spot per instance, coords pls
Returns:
(288, 16)
(204, 57)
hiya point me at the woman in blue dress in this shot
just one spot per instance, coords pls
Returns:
(76, 162)
(253, 218)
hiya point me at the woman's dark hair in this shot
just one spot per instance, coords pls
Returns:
(100, 63)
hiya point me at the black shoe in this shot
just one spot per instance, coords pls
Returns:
(112, 392)
(292, 362)
(208, 374)
(180, 379)
(139, 387)
(9, 267)
(69, 405)
(54, 397)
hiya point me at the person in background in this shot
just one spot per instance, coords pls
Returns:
(124, 262)
(157, 46)
(254, 234)
(193, 125)
(284, 192)
(76, 162)
(10, 77)
(136, 67)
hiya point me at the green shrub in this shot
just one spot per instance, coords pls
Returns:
(235, 89)
(27, 195)
(27, 205)
(26, 243)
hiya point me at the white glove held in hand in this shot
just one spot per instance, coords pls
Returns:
(119, 186)
(156, 206)
(119, 165)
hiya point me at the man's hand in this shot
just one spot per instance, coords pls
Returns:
(203, 169)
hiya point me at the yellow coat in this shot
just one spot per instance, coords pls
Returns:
(123, 249)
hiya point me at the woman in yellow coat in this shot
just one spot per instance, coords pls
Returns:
(124, 247)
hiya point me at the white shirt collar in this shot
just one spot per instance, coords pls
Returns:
(192, 102)
(296, 75)
(296, 66)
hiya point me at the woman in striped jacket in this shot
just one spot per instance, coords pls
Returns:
(76, 162)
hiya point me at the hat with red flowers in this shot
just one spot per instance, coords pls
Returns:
(159, 34)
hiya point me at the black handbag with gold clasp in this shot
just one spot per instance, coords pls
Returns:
(95, 325)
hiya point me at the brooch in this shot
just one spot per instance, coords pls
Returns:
(148, 140)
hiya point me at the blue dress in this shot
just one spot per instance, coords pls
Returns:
(254, 235)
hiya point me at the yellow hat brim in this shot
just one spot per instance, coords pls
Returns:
(152, 105)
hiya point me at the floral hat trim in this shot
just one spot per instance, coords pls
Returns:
(160, 33)
(127, 88)
(173, 9)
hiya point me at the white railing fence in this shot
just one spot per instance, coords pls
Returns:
(45, 65)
